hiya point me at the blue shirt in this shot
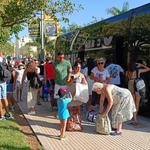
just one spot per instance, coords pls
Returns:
(63, 112)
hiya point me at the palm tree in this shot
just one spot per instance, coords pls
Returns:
(115, 11)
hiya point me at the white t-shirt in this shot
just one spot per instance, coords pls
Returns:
(1, 59)
(102, 75)
(20, 75)
(114, 71)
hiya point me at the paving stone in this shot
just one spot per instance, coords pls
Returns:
(46, 127)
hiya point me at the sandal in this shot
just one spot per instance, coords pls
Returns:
(134, 123)
(115, 133)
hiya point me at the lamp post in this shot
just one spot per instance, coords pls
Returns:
(42, 35)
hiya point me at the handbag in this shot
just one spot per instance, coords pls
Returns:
(79, 92)
(103, 125)
(82, 93)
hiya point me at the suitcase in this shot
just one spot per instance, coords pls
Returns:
(103, 125)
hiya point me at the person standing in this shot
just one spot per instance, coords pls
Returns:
(116, 73)
(49, 76)
(11, 85)
(87, 72)
(120, 102)
(134, 71)
(99, 74)
(76, 77)
(19, 72)
(4, 77)
(63, 70)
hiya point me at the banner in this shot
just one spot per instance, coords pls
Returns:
(34, 28)
(50, 27)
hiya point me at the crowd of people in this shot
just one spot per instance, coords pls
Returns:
(50, 80)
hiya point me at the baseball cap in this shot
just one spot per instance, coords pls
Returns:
(62, 92)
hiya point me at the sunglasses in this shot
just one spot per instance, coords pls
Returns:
(61, 57)
(100, 63)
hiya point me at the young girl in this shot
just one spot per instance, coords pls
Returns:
(63, 112)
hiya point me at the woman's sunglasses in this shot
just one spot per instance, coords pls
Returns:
(100, 63)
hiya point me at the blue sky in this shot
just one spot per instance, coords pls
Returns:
(96, 8)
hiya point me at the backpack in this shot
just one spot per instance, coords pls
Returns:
(139, 86)
(2, 76)
(91, 116)
(34, 81)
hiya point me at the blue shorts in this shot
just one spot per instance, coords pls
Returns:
(9, 88)
(3, 91)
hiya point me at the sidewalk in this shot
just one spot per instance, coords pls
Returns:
(45, 126)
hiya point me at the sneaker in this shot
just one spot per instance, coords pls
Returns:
(8, 116)
(2, 118)
(31, 113)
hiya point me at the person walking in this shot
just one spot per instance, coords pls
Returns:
(33, 85)
(63, 112)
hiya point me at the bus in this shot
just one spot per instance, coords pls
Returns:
(125, 38)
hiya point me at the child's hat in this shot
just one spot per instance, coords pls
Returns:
(62, 92)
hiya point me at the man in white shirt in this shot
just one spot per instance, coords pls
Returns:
(115, 72)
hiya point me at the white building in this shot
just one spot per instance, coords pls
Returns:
(20, 43)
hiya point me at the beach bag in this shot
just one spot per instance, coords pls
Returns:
(74, 121)
(82, 93)
(79, 92)
(103, 125)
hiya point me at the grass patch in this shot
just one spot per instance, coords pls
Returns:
(11, 138)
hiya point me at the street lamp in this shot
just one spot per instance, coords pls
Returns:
(41, 56)
(42, 35)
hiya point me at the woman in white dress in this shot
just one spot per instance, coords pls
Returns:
(120, 102)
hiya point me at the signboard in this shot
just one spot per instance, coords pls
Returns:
(50, 28)
(34, 28)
